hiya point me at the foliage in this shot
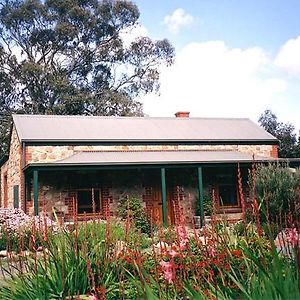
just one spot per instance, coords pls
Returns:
(207, 205)
(98, 260)
(81, 261)
(75, 57)
(110, 259)
(16, 229)
(284, 132)
(277, 190)
(271, 277)
(131, 208)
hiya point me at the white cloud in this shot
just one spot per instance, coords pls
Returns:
(288, 57)
(211, 79)
(179, 18)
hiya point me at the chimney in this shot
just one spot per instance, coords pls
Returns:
(182, 114)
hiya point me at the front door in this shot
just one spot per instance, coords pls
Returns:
(157, 208)
(157, 214)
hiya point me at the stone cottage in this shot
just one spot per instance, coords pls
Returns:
(82, 164)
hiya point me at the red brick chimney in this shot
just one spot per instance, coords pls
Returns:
(182, 114)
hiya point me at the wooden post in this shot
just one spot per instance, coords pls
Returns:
(36, 192)
(27, 188)
(164, 196)
(200, 195)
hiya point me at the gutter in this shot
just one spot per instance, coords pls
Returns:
(155, 163)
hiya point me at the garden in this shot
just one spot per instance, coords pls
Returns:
(127, 257)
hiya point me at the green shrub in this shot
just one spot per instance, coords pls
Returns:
(207, 205)
(276, 190)
(74, 263)
(132, 207)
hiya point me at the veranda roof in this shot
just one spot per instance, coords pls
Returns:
(65, 129)
(107, 158)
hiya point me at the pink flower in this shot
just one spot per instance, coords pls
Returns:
(168, 271)
(181, 231)
(294, 237)
(168, 276)
(166, 264)
(211, 251)
(173, 253)
(182, 236)
(182, 245)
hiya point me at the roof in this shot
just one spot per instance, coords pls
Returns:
(50, 128)
(102, 158)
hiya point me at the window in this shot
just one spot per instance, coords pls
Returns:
(16, 196)
(227, 188)
(228, 194)
(85, 201)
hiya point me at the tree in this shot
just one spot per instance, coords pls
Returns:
(278, 189)
(6, 105)
(284, 132)
(71, 57)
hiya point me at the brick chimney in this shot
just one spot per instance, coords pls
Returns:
(182, 114)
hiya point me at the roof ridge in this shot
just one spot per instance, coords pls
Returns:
(125, 117)
(152, 150)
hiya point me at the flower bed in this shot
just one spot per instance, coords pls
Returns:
(113, 260)
(20, 231)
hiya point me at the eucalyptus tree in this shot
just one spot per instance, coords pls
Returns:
(76, 57)
(284, 132)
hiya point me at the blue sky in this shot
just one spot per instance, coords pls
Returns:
(234, 58)
(240, 23)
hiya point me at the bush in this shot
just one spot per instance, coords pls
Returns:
(276, 188)
(132, 208)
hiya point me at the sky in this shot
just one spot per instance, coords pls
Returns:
(234, 58)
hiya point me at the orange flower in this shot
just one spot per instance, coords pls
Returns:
(237, 253)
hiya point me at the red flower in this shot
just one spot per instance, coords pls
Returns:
(236, 253)
(201, 264)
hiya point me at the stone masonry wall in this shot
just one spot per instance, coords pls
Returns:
(13, 169)
(61, 198)
(58, 195)
(42, 154)
(184, 203)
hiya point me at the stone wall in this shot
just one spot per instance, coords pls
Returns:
(13, 170)
(60, 196)
(43, 154)
(59, 192)
(184, 204)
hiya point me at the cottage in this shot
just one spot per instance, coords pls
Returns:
(77, 164)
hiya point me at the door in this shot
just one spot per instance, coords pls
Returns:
(157, 214)
(157, 208)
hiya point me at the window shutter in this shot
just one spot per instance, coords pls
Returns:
(16, 196)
